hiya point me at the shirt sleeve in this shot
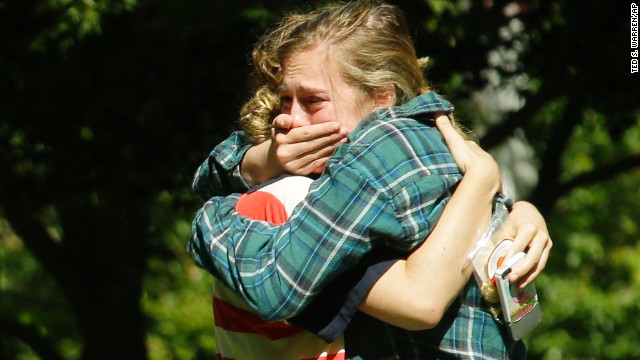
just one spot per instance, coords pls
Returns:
(371, 190)
(219, 174)
(329, 314)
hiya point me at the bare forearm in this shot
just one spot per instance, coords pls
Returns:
(255, 167)
(440, 266)
(425, 285)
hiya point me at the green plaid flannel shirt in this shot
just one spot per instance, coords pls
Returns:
(468, 330)
(387, 186)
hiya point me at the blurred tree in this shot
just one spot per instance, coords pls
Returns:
(107, 107)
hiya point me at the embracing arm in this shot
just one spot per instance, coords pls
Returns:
(292, 150)
(278, 270)
(415, 293)
(236, 164)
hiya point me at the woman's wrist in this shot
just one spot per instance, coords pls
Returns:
(484, 179)
(252, 164)
(255, 167)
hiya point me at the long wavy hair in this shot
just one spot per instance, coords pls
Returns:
(367, 41)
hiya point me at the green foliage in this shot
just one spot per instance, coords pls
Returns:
(74, 20)
(177, 295)
(29, 294)
(592, 288)
(260, 15)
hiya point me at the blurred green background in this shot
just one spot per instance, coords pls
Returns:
(108, 106)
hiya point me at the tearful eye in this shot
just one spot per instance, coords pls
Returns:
(314, 101)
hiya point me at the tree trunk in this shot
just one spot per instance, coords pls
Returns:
(111, 320)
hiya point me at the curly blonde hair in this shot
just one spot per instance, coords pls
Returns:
(369, 42)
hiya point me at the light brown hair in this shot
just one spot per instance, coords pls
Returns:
(368, 40)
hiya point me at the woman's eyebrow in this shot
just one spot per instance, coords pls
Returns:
(312, 89)
(304, 89)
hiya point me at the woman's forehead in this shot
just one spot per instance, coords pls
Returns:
(311, 71)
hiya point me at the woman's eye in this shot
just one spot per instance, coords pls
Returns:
(314, 100)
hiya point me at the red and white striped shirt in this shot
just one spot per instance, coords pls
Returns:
(240, 333)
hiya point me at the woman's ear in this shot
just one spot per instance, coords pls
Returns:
(384, 97)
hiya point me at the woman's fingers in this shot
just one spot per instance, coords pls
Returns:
(283, 122)
(471, 159)
(311, 137)
(531, 236)
(303, 142)
(304, 149)
(312, 161)
(534, 242)
(532, 266)
(463, 151)
(453, 139)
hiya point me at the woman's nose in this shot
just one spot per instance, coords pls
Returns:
(300, 120)
(300, 116)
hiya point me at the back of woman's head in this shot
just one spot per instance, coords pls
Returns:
(367, 42)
